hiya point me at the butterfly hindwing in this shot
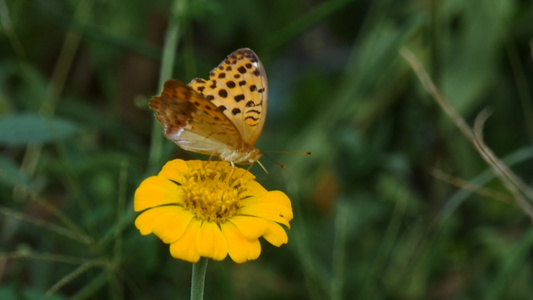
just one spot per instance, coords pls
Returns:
(192, 121)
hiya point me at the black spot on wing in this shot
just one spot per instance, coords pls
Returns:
(239, 98)
(222, 93)
(253, 118)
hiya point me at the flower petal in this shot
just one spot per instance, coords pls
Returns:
(275, 234)
(153, 220)
(197, 164)
(167, 222)
(211, 242)
(170, 226)
(174, 170)
(183, 248)
(243, 174)
(253, 188)
(251, 228)
(271, 206)
(273, 197)
(156, 191)
(240, 249)
(145, 220)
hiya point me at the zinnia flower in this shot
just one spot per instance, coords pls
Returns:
(211, 209)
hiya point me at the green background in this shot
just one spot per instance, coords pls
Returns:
(394, 202)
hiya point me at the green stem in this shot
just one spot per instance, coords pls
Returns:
(179, 8)
(198, 279)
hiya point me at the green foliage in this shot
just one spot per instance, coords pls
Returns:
(394, 203)
(27, 129)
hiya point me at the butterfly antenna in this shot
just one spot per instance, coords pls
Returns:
(277, 163)
(285, 152)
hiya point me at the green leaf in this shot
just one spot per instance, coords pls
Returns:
(24, 129)
(11, 175)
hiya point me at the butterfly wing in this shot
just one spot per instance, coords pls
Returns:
(238, 88)
(192, 121)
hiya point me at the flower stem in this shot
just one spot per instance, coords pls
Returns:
(198, 279)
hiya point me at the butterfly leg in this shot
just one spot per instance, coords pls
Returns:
(251, 165)
(261, 165)
(211, 156)
(232, 168)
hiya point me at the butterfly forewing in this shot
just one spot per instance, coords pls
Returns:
(238, 88)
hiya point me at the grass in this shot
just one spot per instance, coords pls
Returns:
(396, 202)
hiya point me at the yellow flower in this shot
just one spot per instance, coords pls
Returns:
(211, 209)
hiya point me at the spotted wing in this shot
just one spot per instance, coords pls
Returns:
(193, 122)
(238, 88)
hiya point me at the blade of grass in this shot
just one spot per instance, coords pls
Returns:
(57, 82)
(178, 13)
(73, 232)
(71, 276)
(481, 179)
(302, 24)
(7, 26)
(339, 254)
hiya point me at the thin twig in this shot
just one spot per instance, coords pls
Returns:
(512, 182)
(469, 186)
(508, 178)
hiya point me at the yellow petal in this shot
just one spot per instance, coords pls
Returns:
(253, 188)
(251, 227)
(184, 248)
(211, 242)
(243, 174)
(171, 224)
(197, 164)
(268, 207)
(156, 191)
(145, 221)
(273, 197)
(174, 170)
(240, 249)
(275, 234)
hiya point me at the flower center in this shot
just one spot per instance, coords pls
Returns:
(212, 193)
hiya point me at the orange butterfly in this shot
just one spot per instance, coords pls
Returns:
(221, 116)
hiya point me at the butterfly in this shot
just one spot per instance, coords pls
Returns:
(221, 116)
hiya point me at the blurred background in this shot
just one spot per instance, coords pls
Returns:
(394, 203)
